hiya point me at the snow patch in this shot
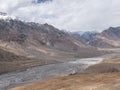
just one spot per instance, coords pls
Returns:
(4, 16)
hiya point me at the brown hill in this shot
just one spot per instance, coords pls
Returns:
(109, 81)
(10, 62)
(109, 38)
(34, 40)
(32, 44)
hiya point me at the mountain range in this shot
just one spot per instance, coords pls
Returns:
(109, 38)
(84, 36)
(26, 36)
(39, 44)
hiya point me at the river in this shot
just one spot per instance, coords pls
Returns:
(40, 73)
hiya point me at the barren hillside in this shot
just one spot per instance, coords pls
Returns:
(109, 81)
(39, 44)
(109, 38)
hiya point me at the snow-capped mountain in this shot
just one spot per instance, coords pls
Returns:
(5, 16)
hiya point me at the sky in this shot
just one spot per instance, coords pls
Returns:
(70, 15)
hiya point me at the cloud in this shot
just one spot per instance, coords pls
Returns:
(71, 15)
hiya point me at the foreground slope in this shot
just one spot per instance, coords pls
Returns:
(109, 81)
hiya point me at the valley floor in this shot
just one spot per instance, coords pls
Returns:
(101, 76)
(40, 73)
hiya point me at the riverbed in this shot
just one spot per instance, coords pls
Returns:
(40, 73)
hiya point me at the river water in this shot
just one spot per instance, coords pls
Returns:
(40, 73)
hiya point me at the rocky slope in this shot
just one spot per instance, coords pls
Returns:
(40, 44)
(109, 38)
(30, 39)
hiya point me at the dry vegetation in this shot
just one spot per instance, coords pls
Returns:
(109, 81)
(110, 64)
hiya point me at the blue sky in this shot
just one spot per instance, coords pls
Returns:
(39, 1)
(71, 15)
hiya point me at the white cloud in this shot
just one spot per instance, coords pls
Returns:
(73, 15)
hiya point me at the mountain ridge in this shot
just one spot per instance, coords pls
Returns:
(34, 39)
(109, 38)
